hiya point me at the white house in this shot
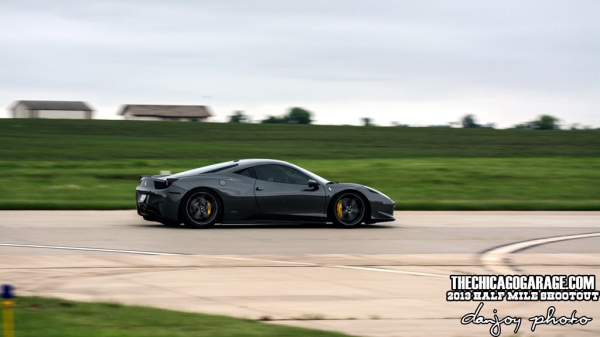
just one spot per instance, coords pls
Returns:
(51, 109)
(165, 112)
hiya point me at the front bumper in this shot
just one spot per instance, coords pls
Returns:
(382, 212)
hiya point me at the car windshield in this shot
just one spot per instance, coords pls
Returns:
(205, 169)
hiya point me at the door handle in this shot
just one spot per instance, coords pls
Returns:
(259, 189)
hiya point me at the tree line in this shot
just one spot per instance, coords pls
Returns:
(298, 115)
(543, 122)
(293, 116)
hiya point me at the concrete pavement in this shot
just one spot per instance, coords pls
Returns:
(374, 281)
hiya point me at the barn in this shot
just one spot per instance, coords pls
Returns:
(194, 113)
(51, 109)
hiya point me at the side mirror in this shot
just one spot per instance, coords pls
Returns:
(312, 185)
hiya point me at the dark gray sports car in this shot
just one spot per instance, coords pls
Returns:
(257, 190)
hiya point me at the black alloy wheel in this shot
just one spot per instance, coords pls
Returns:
(348, 209)
(200, 209)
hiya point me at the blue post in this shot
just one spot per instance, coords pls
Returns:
(7, 292)
(7, 312)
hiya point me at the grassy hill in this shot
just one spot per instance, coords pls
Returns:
(27, 139)
(79, 164)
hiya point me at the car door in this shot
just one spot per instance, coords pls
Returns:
(282, 192)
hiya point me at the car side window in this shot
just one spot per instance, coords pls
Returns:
(295, 176)
(269, 173)
(280, 174)
(249, 172)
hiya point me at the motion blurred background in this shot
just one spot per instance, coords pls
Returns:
(417, 63)
(440, 105)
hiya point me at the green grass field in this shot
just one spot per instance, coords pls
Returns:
(37, 316)
(57, 140)
(75, 164)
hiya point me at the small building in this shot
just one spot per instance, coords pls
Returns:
(51, 109)
(193, 113)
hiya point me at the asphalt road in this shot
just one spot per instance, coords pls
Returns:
(381, 280)
(411, 233)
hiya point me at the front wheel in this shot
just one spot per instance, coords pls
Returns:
(348, 209)
(200, 209)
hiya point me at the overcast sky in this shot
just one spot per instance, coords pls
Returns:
(413, 62)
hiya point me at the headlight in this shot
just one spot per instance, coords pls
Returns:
(372, 190)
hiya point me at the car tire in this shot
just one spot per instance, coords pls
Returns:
(348, 209)
(200, 208)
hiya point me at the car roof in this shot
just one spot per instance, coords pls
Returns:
(241, 164)
(245, 163)
(254, 162)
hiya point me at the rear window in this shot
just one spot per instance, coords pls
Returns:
(206, 169)
(249, 172)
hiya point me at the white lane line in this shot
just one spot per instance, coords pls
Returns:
(309, 264)
(385, 270)
(306, 264)
(497, 259)
(87, 249)
(299, 264)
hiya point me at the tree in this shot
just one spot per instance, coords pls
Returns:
(367, 121)
(524, 126)
(273, 120)
(468, 121)
(298, 116)
(294, 116)
(238, 117)
(546, 122)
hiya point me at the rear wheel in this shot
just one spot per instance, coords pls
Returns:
(201, 208)
(348, 209)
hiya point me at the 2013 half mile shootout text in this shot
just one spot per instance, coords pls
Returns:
(523, 288)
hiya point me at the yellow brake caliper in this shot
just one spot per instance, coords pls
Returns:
(208, 207)
(338, 209)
